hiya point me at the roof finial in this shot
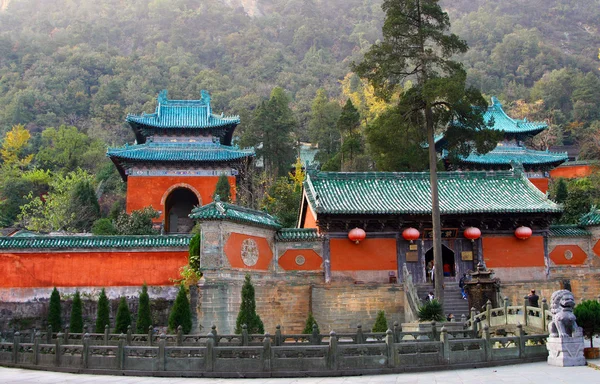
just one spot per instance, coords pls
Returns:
(517, 168)
(205, 97)
(162, 96)
(495, 101)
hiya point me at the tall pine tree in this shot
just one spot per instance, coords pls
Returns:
(54, 311)
(103, 313)
(76, 325)
(322, 126)
(144, 316)
(247, 314)
(348, 125)
(417, 46)
(123, 319)
(181, 314)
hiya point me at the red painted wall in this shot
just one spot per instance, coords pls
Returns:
(312, 260)
(145, 191)
(541, 183)
(233, 250)
(571, 172)
(578, 256)
(508, 251)
(369, 255)
(309, 219)
(90, 269)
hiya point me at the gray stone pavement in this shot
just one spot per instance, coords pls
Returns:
(514, 374)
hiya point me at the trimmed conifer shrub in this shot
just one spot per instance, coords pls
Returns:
(588, 318)
(144, 316)
(54, 311)
(181, 313)
(123, 319)
(431, 311)
(247, 314)
(103, 313)
(223, 189)
(76, 324)
(380, 322)
(310, 321)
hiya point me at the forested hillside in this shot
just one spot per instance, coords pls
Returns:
(80, 67)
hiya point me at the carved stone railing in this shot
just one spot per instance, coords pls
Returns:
(525, 315)
(411, 302)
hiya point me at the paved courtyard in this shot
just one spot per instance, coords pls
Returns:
(514, 374)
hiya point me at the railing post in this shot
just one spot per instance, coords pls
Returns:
(266, 353)
(179, 341)
(314, 337)
(521, 336)
(473, 314)
(445, 345)
(213, 330)
(488, 313)
(332, 356)
(525, 314)
(66, 333)
(162, 341)
(106, 334)
(85, 352)
(245, 340)
(389, 343)
(488, 342)
(57, 344)
(129, 337)
(463, 318)
(397, 331)
(475, 328)
(209, 357)
(360, 339)
(16, 347)
(36, 348)
(434, 334)
(278, 337)
(150, 335)
(121, 352)
(49, 335)
(544, 320)
(505, 309)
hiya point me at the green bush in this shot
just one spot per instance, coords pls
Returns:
(223, 189)
(103, 313)
(76, 325)
(194, 253)
(310, 321)
(431, 311)
(181, 313)
(588, 317)
(144, 316)
(54, 311)
(104, 227)
(123, 319)
(380, 322)
(247, 314)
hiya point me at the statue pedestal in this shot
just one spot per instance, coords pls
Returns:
(566, 351)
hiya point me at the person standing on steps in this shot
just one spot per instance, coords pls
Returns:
(461, 284)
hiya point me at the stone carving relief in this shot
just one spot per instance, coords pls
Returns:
(249, 252)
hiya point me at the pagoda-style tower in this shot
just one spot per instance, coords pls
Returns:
(181, 150)
(511, 150)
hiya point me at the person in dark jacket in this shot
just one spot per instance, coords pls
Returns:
(533, 299)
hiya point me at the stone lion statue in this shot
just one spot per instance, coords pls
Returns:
(563, 322)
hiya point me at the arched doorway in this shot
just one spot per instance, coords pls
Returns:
(447, 259)
(178, 206)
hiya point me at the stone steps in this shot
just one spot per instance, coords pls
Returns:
(453, 301)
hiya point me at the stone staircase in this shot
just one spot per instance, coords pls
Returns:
(453, 301)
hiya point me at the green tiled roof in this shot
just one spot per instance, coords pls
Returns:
(189, 114)
(568, 231)
(505, 154)
(591, 218)
(172, 152)
(507, 125)
(409, 193)
(62, 242)
(218, 210)
(579, 162)
(297, 234)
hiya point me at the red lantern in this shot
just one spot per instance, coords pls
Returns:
(523, 233)
(357, 235)
(472, 233)
(411, 234)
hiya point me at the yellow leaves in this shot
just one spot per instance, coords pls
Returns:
(14, 144)
(299, 175)
(362, 95)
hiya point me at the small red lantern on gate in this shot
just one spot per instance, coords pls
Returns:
(523, 233)
(411, 234)
(357, 235)
(472, 233)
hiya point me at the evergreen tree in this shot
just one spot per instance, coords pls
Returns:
(54, 311)
(144, 316)
(194, 253)
(322, 127)
(348, 125)
(380, 322)
(310, 321)
(561, 192)
(181, 313)
(247, 314)
(223, 189)
(76, 325)
(123, 319)
(103, 313)
(417, 47)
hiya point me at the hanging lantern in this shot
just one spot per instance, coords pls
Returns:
(472, 233)
(357, 235)
(523, 233)
(411, 234)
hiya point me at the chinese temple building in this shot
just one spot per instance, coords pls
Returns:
(181, 150)
(511, 150)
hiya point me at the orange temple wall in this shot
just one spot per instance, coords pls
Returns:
(368, 255)
(508, 251)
